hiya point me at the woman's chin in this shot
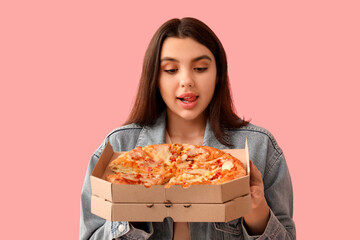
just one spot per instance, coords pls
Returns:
(188, 115)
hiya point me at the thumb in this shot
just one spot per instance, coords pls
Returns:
(255, 174)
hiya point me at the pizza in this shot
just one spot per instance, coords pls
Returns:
(175, 164)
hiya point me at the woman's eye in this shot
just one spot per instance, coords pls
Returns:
(170, 70)
(201, 69)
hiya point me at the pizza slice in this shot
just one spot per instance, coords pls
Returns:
(137, 167)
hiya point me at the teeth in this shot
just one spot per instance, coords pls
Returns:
(187, 100)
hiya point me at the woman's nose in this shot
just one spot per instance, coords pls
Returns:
(186, 80)
(187, 84)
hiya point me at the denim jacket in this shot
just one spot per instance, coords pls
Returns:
(265, 154)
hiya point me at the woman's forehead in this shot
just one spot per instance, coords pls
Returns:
(183, 49)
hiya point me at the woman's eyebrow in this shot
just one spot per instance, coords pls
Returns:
(193, 60)
(201, 57)
(169, 59)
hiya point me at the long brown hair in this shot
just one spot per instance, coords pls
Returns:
(149, 104)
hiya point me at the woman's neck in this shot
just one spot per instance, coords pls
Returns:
(186, 131)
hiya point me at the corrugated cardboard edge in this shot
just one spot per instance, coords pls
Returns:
(209, 212)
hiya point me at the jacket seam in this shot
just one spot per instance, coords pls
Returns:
(227, 229)
(123, 129)
(275, 233)
(107, 139)
(288, 233)
(272, 165)
(275, 146)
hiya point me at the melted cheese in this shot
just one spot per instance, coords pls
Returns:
(228, 165)
(193, 178)
(164, 154)
(191, 150)
(122, 169)
(131, 177)
(198, 171)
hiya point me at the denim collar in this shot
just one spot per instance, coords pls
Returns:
(155, 134)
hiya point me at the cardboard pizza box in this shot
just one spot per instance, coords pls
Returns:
(198, 203)
(141, 212)
(121, 193)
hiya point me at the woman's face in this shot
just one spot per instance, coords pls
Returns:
(187, 77)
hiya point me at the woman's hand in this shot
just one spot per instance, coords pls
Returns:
(257, 219)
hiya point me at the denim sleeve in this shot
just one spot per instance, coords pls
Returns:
(92, 226)
(279, 196)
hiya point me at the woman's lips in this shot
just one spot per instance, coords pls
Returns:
(188, 100)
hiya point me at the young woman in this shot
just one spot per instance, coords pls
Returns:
(184, 97)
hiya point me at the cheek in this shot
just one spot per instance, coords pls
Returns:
(166, 88)
(208, 86)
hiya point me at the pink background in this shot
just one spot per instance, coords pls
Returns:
(69, 72)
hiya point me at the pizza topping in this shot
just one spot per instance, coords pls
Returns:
(198, 171)
(217, 175)
(175, 164)
(164, 155)
(228, 165)
(191, 151)
(137, 153)
(184, 157)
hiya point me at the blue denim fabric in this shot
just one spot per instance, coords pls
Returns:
(265, 154)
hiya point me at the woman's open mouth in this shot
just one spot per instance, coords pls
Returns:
(188, 100)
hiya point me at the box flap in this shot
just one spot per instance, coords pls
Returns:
(247, 157)
(100, 187)
(103, 161)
